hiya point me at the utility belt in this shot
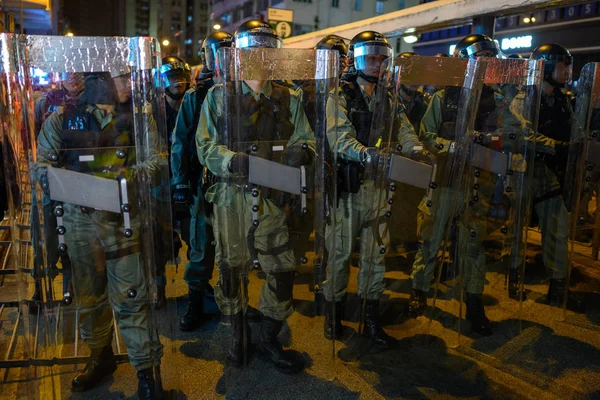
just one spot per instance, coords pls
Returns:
(280, 198)
(349, 175)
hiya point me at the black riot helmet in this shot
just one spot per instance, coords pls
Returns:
(557, 63)
(441, 55)
(516, 56)
(174, 70)
(256, 33)
(211, 46)
(333, 42)
(477, 45)
(337, 43)
(407, 54)
(369, 49)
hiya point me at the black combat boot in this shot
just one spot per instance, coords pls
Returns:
(556, 296)
(241, 342)
(102, 363)
(333, 323)
(372, 329)
(271, 349)
(417, 303)
(194, 316)
(514, 285)
(147, 387)
(476, 315)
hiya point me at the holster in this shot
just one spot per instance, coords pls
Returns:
(350, 174)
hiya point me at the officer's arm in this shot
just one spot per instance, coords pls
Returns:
(302, 131)
(179, 148)
(431, 124)
(49, 141)
(340, 131)
(212, 155)
(406, 135)
(543, 143)
(38, 111)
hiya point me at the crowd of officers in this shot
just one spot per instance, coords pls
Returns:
(201, 206)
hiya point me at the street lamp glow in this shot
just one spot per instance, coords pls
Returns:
(166, 42)
(217, 27)
(410, 38)
(70, 34)
(526, 20)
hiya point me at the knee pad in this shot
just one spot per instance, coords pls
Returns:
(285, 285)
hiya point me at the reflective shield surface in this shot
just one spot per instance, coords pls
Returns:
(263, 135)
(496, 168)
(408, 172)
(89, 164)
(581, 188)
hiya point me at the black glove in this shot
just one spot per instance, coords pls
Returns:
(369, 155)
(240, 164)
(422, 156)
(296, 156)
(182, 195)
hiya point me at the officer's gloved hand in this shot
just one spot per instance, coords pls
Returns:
(240, 164)
(297, 156)
(182, 195)
(418, 153)
(370, 155)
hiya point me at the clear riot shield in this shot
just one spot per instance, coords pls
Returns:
(497, 165)
(272, 189)
(91, 172)
(582, 189)
(393, 282)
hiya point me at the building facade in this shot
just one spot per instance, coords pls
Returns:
(309, 15)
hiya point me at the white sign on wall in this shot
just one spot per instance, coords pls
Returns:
(520, 42)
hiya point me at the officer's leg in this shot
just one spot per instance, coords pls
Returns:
(278, 263)
(554, 226)
(198, 270)
(432, 226)
(339, 243)
(372, 267)
(129, 285)
(231, 256)
(472, 271)
(89, 278)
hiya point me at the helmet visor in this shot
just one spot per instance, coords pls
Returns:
(211, 54)
(368, 54)
(261, 39)
(176, 77)
(481, 49)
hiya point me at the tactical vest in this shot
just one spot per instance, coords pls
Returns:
(358, 111)
(266, 120)
(450, 103)
(554, 120)
(486, 120)
(89, 148)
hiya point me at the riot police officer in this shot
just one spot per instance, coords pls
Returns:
(278, 107)
(175, 74)
(555, 126)
(437, 134)
(356, 100)
(187, 182)
(99, 122)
